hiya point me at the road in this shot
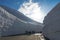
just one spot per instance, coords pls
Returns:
(36, 36)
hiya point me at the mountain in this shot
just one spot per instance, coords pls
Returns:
(13, 22)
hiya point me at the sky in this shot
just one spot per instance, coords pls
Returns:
(34, 9)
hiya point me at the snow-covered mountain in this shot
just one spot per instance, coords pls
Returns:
(13, 22)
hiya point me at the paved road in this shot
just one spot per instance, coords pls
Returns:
(36, 36)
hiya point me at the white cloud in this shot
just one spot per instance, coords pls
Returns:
(32, 10)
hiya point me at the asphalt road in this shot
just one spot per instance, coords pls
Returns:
(36, 36)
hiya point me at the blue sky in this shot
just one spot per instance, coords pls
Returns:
(46, 6)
